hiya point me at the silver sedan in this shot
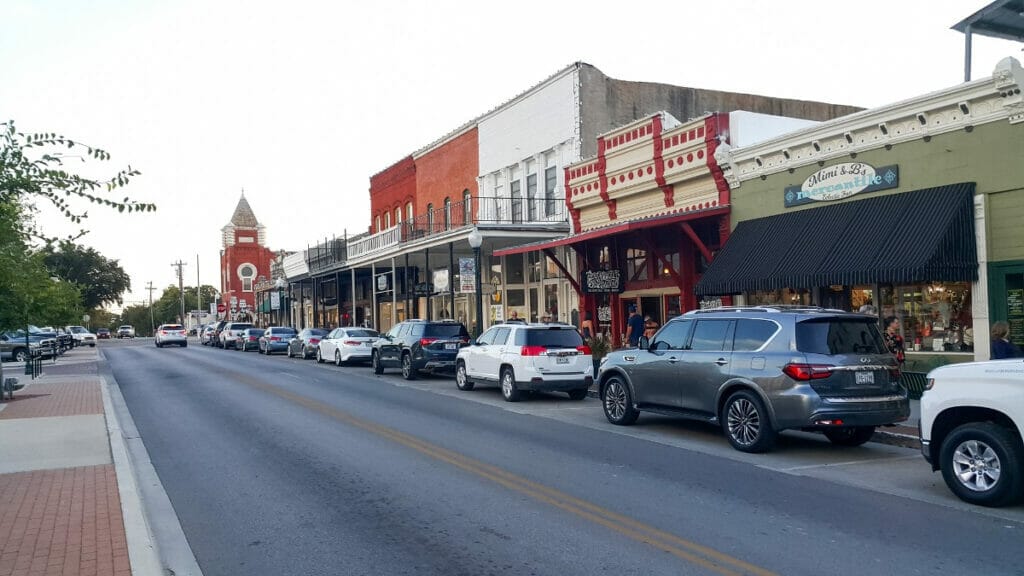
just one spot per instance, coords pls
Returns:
(344, 345)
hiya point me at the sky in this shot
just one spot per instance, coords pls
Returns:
(300, 102)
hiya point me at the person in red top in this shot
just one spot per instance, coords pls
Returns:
(893, 340)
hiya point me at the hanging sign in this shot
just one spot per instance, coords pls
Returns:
(467, 276)
(842, 181)
(603, 282)
(275, 301)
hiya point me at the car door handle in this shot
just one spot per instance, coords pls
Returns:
(673, 359)
(721, 361)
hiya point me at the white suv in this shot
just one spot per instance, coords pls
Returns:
(972, 416)
(543, 357)
(81, 335)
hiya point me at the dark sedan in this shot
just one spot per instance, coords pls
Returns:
(304, 343)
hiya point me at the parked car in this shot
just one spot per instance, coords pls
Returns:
(103, 334)
(758, 370)
(276, 339)
(230, 333)
(249, 339)
(305, 342)
(218, 329)
(419, 345)
(13, 347)
(344, 345)
(206, 335)
(972, 417)
(81, 335)
(168, 334)
(125, 331)
(542, 357)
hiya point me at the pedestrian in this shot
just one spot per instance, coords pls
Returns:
(650, 327)
(546, 318)
(634, 327)
(588, 326)
(893, 340)
(1001, 345)
(868, 308)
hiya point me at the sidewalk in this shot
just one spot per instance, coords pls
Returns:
(61, 509)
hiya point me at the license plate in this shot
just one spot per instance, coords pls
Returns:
(864, 377)
(561, 360)
(450, 346)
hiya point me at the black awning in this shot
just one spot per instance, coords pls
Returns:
(927, 235)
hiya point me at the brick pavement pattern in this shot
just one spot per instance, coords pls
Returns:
(72, 397)
(63, 522)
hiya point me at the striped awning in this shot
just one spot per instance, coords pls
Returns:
(927, 235)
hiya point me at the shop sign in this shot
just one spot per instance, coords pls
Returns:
(423, 289)
(603, 282)
(275, 301)
(842, 181)
(467, 275)
(604, 314)
(441, 280)
(382, 282)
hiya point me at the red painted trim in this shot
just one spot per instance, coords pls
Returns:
(602, 178)
(659, 164)
(715, 125)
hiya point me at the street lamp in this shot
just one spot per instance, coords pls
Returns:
(280, 300)
(475, 240)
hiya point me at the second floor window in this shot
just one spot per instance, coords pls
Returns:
(550, 181)
(517, 201)
(467, 207)
(531, 196)
(447, 213)
(430, 218)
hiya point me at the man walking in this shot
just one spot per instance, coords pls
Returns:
(634, 327)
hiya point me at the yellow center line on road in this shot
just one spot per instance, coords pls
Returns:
(698, 554)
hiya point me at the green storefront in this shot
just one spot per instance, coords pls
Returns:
(911, 211)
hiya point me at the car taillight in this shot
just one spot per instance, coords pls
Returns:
(253, 338)
(585, 350)
(351, 343)
(532, 351)
(162, 333)
(427, 341)
(275, 339)
(807, 371)
(314, 340)
(464, 340)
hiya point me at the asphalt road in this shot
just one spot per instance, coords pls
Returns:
(281, 466)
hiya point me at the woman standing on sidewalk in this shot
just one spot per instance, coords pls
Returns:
(893, 340)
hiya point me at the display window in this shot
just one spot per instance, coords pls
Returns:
(786, 296)
(934, 316)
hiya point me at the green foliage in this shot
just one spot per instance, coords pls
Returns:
(137, 316)
(102, 281)
(168, 307)
(33, 167)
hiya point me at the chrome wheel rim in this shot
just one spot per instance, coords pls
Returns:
(744, 421)
(406, 366)
(976, 465)
(460, 376)
(615, 400)
(506, 384)
(373, 360)
(337, 358)
(318, 357)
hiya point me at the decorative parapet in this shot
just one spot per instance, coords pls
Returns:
(652, 167)
(375, 242)
(961, 107)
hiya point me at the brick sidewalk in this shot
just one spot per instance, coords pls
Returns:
(61, 521)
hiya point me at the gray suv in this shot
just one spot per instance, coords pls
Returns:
(758, 370)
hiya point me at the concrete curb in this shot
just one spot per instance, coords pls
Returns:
(142, 550)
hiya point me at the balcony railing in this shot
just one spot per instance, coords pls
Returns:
(488, 211)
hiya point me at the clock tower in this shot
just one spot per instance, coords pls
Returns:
(244, 258)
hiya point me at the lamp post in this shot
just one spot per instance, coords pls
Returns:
(279, 284)
(475, 240)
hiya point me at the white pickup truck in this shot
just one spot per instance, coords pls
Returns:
(972, 415)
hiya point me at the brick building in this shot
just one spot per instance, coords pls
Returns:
(244, 259)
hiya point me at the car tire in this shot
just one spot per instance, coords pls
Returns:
(408, 371)
(746, 423)
(982, 464)
(509, 390)
(158, 345)
(850, 435)
(578, 394)
(618, 402)
(92, 345)
(184, 344)
(21, 355)
(337, 358)
(375, 362)
(462, 380)
(288, 351)
(319, 358)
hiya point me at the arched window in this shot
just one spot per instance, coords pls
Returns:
(447, 213)
(467, 206)
(376, 223)
(430, 218)
(247, 272)
(387, 219)
(408, 211)
(398, 215)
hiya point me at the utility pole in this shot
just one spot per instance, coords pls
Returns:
(181, 286)
(152, 325)
(199, 296)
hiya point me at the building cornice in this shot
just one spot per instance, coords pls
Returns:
(961, 107)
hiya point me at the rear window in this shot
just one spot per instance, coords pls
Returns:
(444, 330)
(172, 327)
(839, 336)
(284, 331)
(239, 326)
(316, 332)
(554, 338)
(362, 333)
(255, 331)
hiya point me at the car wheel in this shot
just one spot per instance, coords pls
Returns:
(21, 355)
(508, 386)
(158, 345)
(184, 344)
(981, 463)
(92, 345)
(288, 351)
(746, 424)
(461, 378)
(578, 394)
(850, 435)
(408, 372)
(337, 358)
(319, 358)
(375, 361)
(618, 403)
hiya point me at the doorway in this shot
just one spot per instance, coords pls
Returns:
(1006, 297)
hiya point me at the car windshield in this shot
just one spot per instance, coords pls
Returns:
(78, 329)
(362, 333)
(444, 330)
(554, 338)
(839, 336)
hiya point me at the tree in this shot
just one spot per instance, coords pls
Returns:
(102, 281)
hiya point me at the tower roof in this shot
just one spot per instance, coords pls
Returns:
(243, 216)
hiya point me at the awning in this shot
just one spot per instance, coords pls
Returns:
(614, 229)
(927, 235)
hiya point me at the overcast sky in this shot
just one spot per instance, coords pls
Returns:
(300, 102)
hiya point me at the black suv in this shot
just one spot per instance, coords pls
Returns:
(416, 345)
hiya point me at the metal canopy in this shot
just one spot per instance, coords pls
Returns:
(1002, 19)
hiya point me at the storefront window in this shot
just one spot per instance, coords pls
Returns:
(516, 303)
(533, 262)
(636, 264)
(514, 269)
(673, 260)
(934, 317)
(785, 296)
(673, 306)
(551, 300)
(550, 270)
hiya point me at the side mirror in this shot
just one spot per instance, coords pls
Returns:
(645, 344)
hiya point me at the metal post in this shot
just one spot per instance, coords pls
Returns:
(967, 53)
(353, 312)
(479, 294)
(394, 293)
(430, 294)
(373, 292)
(451, 278)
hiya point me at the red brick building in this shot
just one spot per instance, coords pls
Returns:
(446, 177)
(392, 195)
(244, 258)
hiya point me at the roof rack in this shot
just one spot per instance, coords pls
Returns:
(770, 308)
